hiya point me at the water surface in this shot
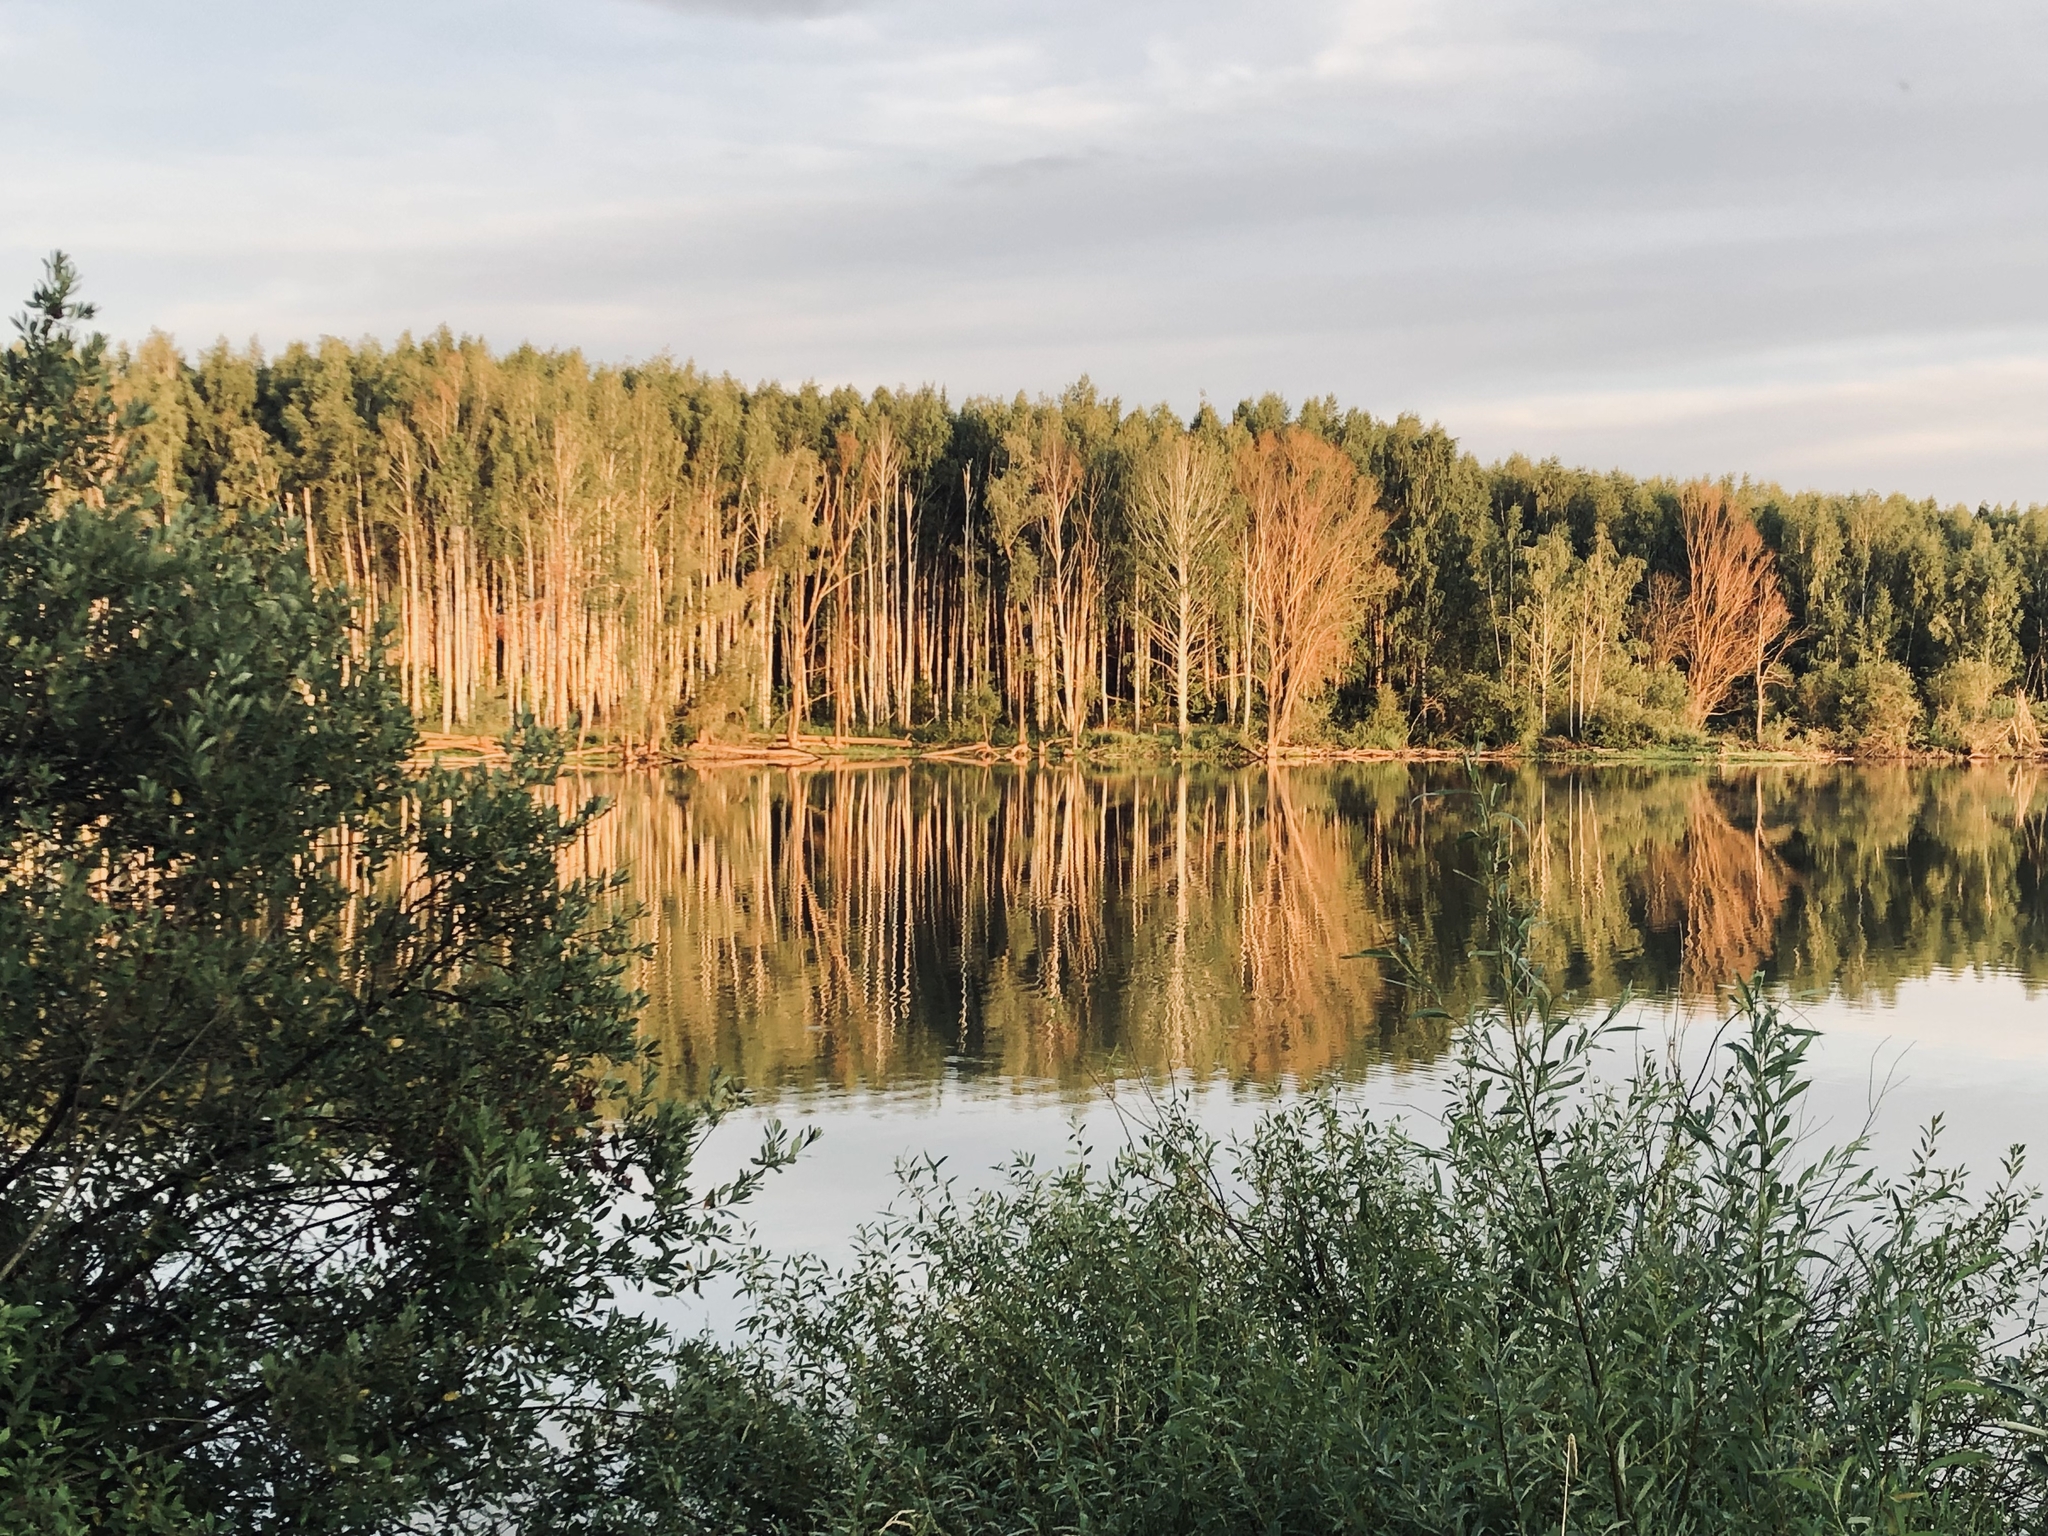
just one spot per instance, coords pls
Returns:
(967, 961)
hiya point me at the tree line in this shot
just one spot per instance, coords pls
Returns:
(651, 554)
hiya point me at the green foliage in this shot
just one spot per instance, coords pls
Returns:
(1969, 711)
(56, 399)
(1620, 723)
(1869, 708)
(330, 1144)
(720, 705)
(1385, 729)
(1486, 713)
(1643, 707)
(1966, 688)
(1590, 1305)
(978, 710)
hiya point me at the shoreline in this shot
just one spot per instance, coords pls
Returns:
(1128, 751)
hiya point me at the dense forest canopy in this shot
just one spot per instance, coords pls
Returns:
(650, 554)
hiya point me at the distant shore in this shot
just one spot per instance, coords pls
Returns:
(1108, 750)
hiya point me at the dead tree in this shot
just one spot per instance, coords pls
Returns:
(1313, 567)
(1735, 613)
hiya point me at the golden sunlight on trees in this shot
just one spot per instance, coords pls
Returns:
(1661, 622)
(1045, 500)
(1312, 567)
(1735, 613)
(1182, 493)
(651, 557)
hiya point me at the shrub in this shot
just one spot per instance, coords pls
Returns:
(1384, 730)
(1870, 708)
(330, 1132)
(976, 712)
(721, 707)
(1622, 723)
(1485, 714)
(1966, 689)
(1642, 707)
(1969, 715)
(1220, 740)
(1780, 734)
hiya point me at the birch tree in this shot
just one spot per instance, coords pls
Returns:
(1182, 489)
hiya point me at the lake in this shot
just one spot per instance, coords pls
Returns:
(971, 962)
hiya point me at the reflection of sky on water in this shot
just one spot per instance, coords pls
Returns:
(1972, 1048)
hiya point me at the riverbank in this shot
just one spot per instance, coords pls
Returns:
(1123, 749)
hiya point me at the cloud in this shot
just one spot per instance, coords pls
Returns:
(757, 10)
(1602, 230)
(1850, 420)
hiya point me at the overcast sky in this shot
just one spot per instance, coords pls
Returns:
(1805, 239)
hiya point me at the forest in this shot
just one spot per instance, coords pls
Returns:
(653, 557)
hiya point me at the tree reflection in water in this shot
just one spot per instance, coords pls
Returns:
(1030, 927)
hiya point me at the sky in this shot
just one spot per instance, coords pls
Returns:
(1804, 240)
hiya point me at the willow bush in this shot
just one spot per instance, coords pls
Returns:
(329, 1143)
(1600, 1300)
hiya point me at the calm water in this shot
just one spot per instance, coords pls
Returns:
(972, 962)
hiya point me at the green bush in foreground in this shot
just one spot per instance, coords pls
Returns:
(1636, 1307)
(328, 1143)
